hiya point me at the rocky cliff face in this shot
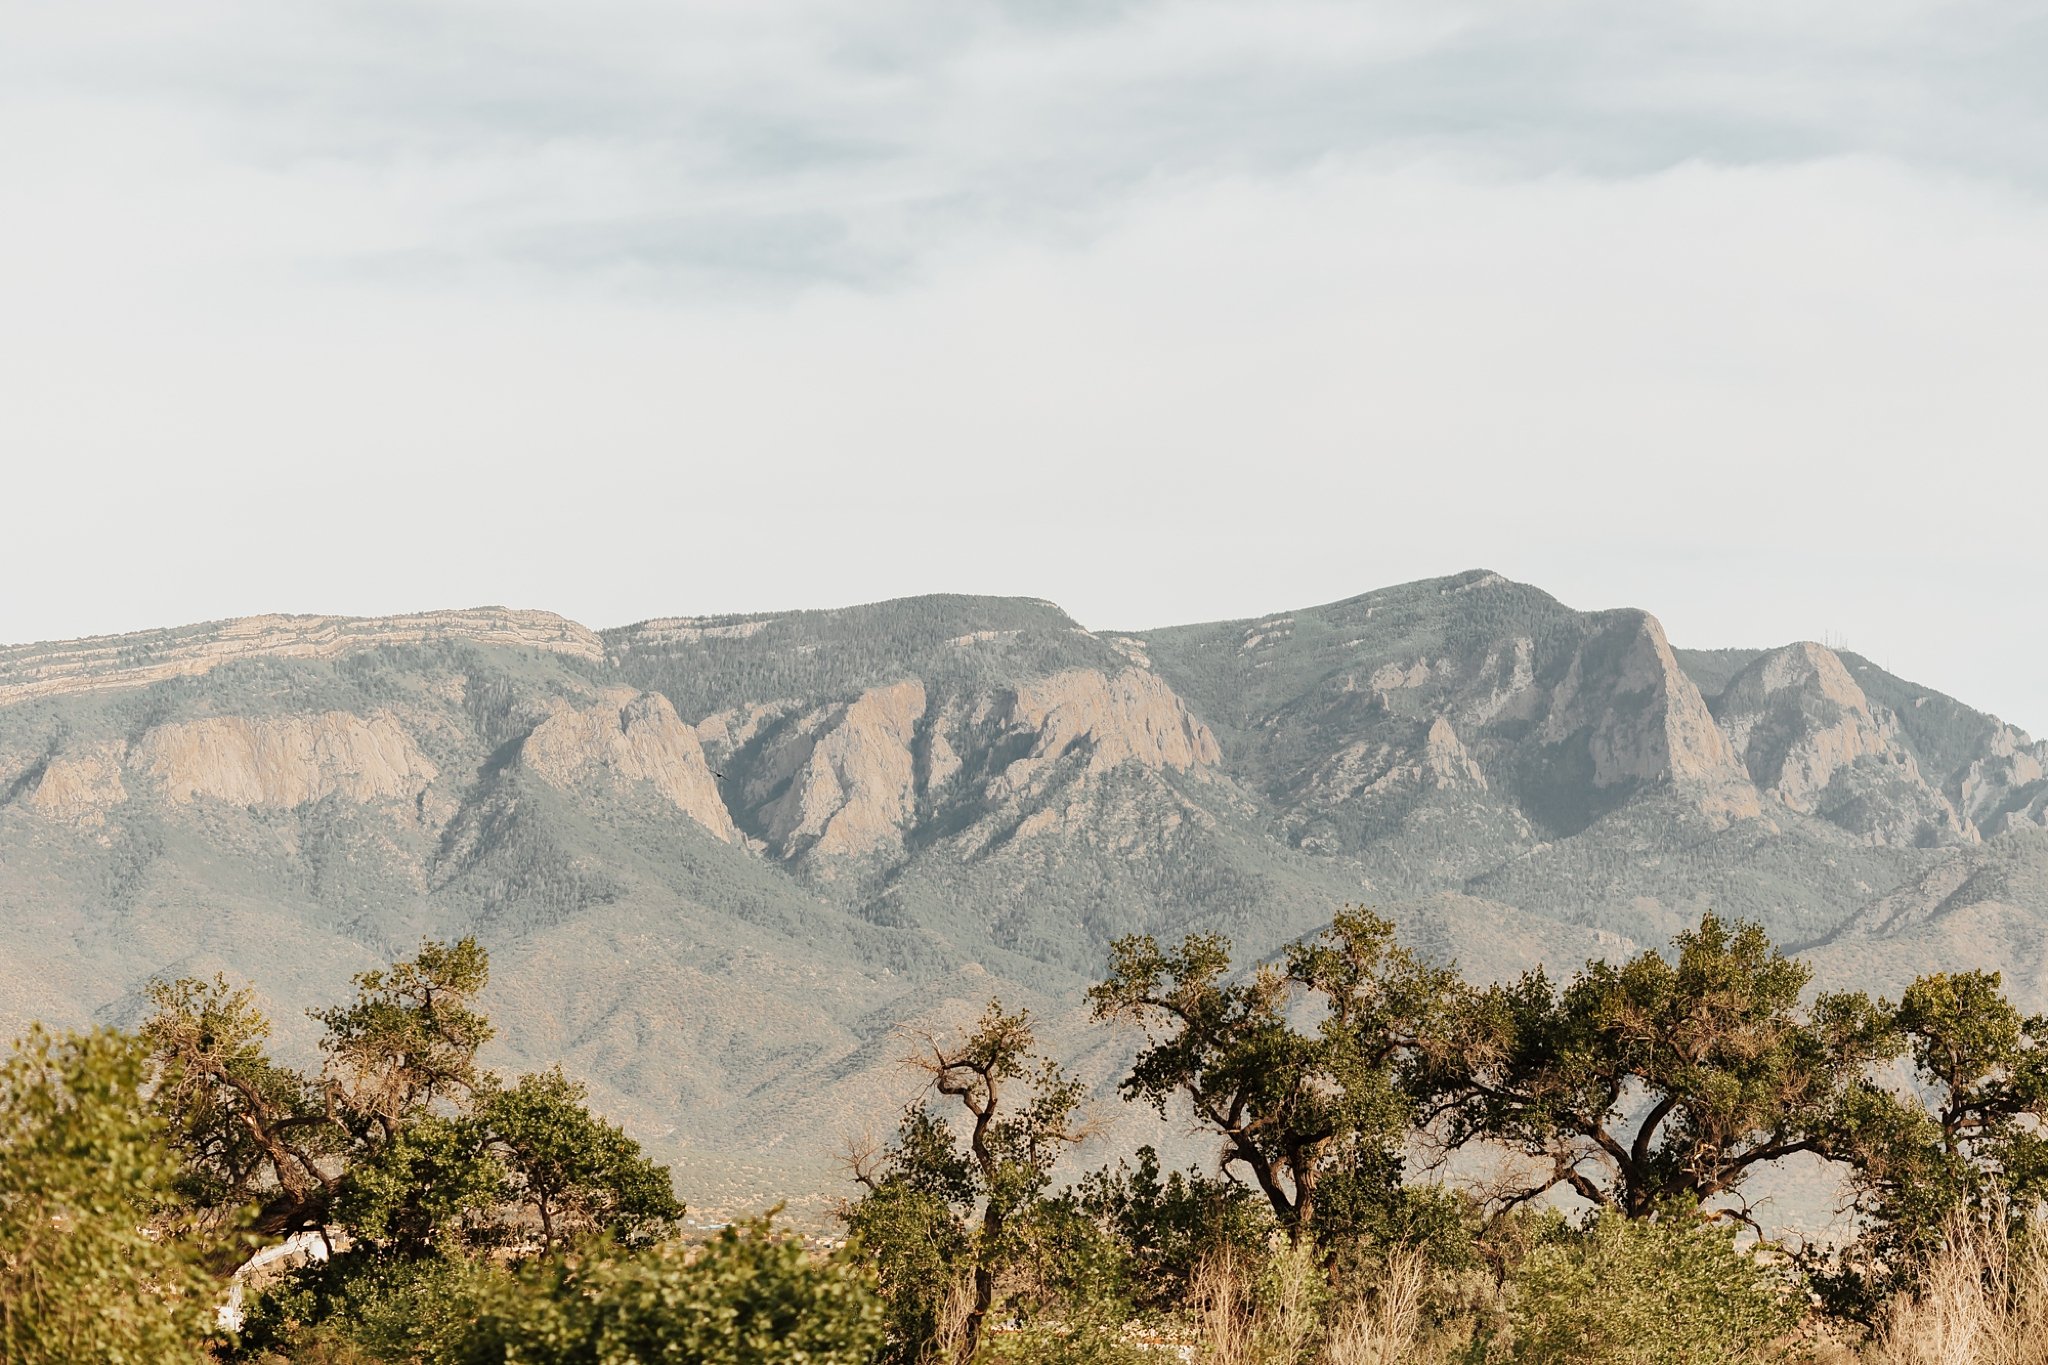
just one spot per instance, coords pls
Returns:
(628, 738)
(1383, 706)
(80, 786)
(1812, 740)
(2006, 787)
(846, 776)
(1641, 719)
(284, 760)
(1131, 716)
(859, 779)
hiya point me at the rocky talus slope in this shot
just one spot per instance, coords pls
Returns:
(719, 860)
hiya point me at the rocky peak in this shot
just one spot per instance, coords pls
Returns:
(1641, 719)
(1812, 739)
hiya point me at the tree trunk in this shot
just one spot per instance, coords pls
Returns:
(984, 1298)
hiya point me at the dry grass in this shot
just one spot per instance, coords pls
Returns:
(1279, 1313)
(1386, 1327)
(1984, 1302)
(1249, 1314)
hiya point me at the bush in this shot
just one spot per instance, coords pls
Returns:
(83, 1167)
(750, 1298)
(362, 1306)
(1668, 1290)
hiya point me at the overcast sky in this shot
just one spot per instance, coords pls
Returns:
(1168, 311)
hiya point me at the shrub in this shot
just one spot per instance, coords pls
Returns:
(362, 1306)
(1668, 1290)
(750, 1298)
(83, 1167)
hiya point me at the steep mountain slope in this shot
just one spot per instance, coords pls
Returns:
(719, 860)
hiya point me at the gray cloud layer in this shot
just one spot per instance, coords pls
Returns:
(1163, 309)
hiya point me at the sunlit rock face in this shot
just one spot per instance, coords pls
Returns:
(1813, 741)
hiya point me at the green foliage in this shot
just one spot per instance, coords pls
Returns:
(431, 1187)
(1651, 1291)
(1301, 1112)
(1168, 1225)
(409, 1039)
(404, 1142)
(84, 1166)
(1971, 1154)
(250, 1133)
(946, 1215)
(574, 1172)
(750, 1298)
(919, 1248)
(369, 1307)
(1659, 1079)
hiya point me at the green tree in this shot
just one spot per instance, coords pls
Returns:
(1661, 1079)
(407, 1044)
(1316, 1117)
(1970, 1149)
(252, 1134)
(434, 1187)
(1168, 1224)
(84, 1166)
(574, 1172)
(363, 1307)
(403, 1140)
(936, 1203)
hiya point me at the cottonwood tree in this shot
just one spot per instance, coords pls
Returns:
(573, 1171)
(1659, 1080)
(402, 1139)
(1305, 1069)
(1967, 1145)
(252, 1135)
(938, 1199)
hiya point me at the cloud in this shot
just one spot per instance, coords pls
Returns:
(1164, 310)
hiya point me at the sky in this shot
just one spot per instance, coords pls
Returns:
(1166, 310)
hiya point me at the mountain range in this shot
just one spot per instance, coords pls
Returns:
(722, 863)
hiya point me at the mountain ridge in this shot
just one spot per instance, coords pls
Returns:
(718, 858)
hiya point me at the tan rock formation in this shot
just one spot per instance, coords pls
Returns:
(629, 738)
(1395, 677)
(1802, 724)
(1514, 696)
(690, 630)
(853, 787)
(1797, 767)
(116, 661)
(2011, 765)
(79, 787)
(1370, 769)
(1643, 719)
(285, 760)
(1446, 762)
(1131, 717)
